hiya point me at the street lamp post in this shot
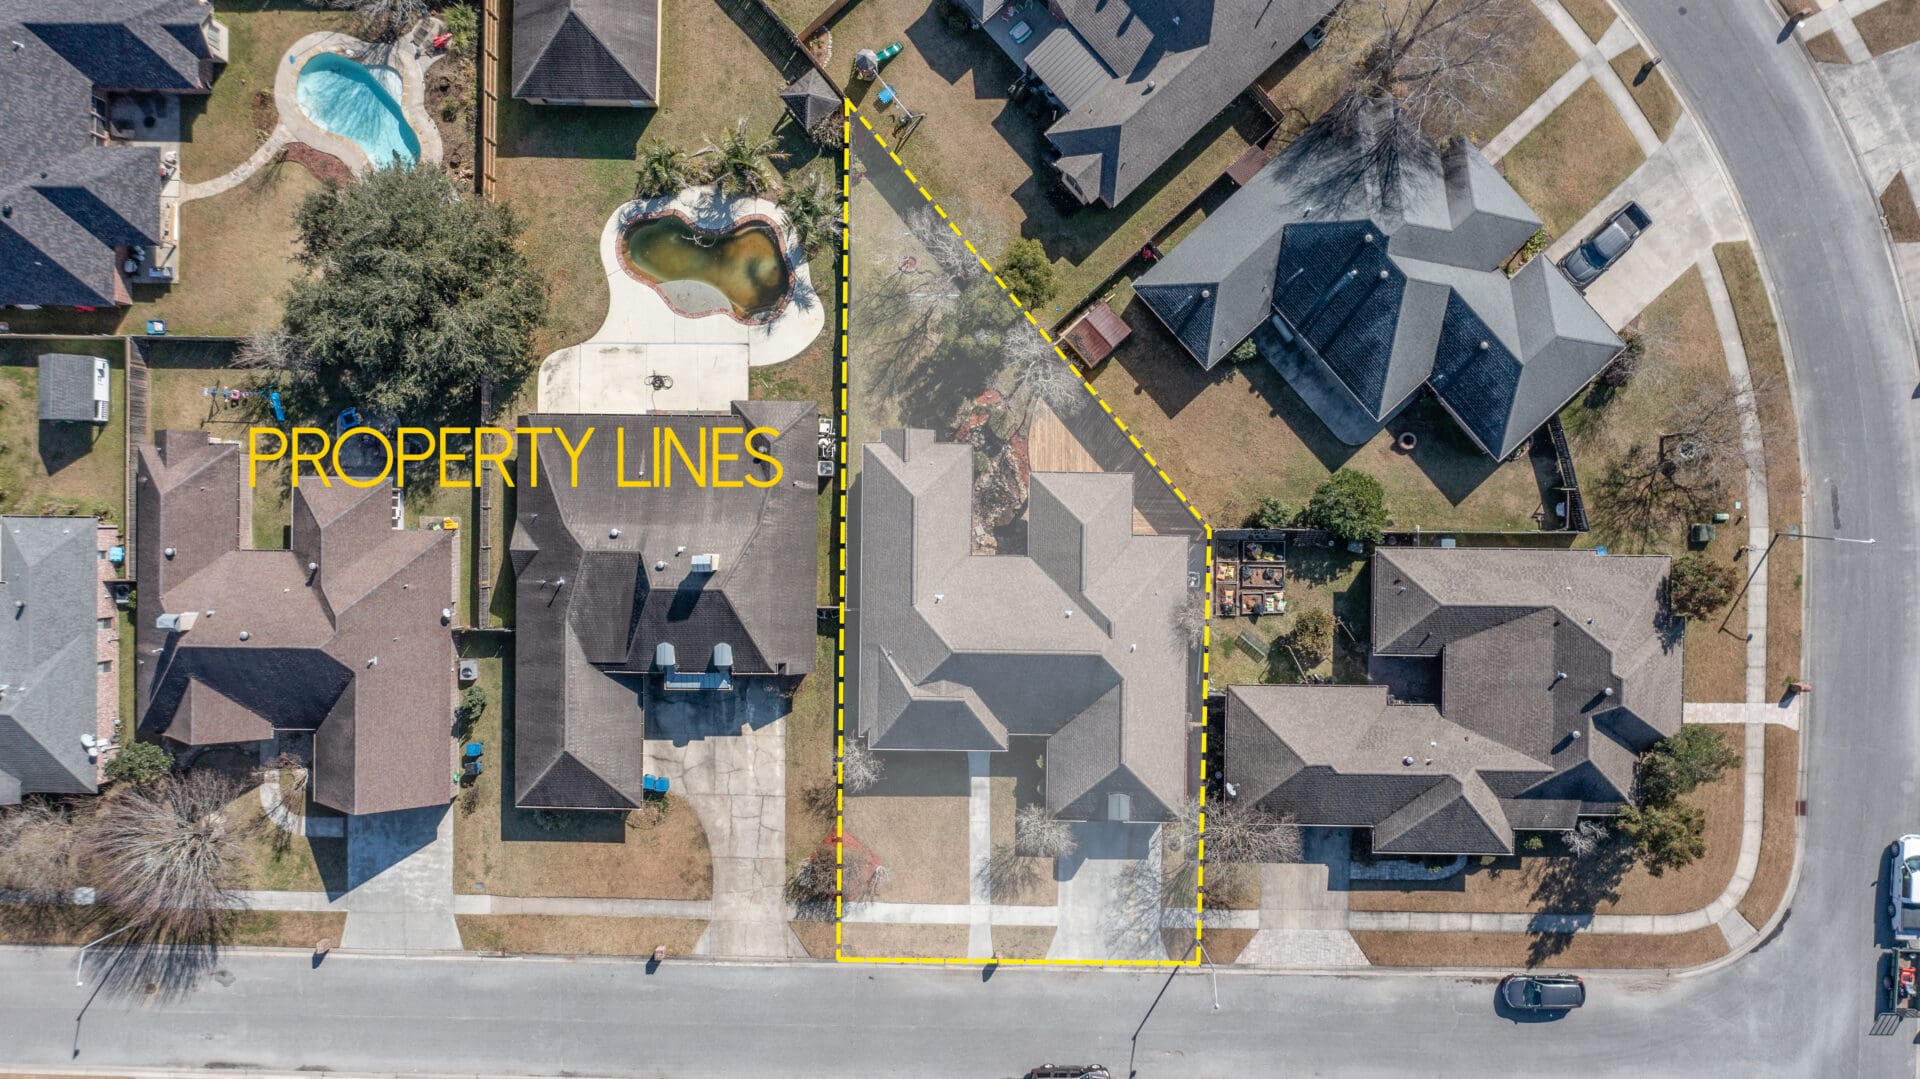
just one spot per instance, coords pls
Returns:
(1213, 975)
(81, 963)
(1791, 533)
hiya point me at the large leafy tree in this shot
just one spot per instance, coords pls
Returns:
(416, 295)
(1351, 505)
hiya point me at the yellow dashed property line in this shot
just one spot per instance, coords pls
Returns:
(1206, 629)
(840, 500)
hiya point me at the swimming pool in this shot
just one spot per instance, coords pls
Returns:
(360, 103)
(739, 268)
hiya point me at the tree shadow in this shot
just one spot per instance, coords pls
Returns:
(1575, 887)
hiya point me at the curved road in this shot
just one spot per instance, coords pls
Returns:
(1801, 1005)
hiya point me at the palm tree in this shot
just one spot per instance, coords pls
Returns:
(662, 170)
(812, 212)
(742, 165)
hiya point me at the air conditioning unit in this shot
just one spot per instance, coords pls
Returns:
(706, 563)
(102, 412)
(469, 670)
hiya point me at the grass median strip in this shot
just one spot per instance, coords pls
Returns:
(1777, 835)
(1593, 951)
(559, 934)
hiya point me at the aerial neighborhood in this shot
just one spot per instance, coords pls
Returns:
(804, 490)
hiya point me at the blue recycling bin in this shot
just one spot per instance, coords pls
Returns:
(474, 749)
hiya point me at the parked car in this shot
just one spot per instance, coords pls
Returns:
(1070, 1071)
(1903, 890)
(1543, 992)
(1604, 248)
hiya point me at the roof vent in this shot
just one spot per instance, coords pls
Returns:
(659, 565)
(706, 563)
(938, 596)
(1575, 736)
(1607, 692)
(1384, 275)
(680, 550)
(1484, 345)
(613, 533)
(1366, 238)
(723, 656)
(169, 552)
(374, 662)
(245, 636)
(1408, 761)
(1068, 613)
(559, 582)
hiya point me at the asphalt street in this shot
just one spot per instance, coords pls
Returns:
(1802, 1005)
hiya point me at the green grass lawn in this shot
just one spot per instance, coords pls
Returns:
(224, 128)
(1652, 93)
(1574, 159)
(60, 468)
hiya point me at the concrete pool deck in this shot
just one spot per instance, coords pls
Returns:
(705, 358)
(404, 56)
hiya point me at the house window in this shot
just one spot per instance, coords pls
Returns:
(106, 666)
(106, 623)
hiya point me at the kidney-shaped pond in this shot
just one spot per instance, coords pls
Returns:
(739, 269)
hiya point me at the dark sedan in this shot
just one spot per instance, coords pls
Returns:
(1543, 992)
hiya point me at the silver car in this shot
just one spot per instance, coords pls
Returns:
(1543, 992)
(1903, 890)
(1606, 245)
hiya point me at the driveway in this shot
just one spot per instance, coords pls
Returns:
(1109, 899)
(400, 882)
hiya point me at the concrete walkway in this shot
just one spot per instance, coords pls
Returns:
(1595, 60)
(1783, 713)
(979, 919)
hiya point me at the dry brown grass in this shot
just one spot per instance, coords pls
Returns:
(1032, 884)
(1770, 878)
(59, 468)
(1223, 945)
(287, 928)
(1592, 951)
(1760, 338)
(1826, 49)
(21, 924)
(1896, 205)
(815, 937)
(810, 742)
(1522, 884)
(1655, 97)
(1574, 159)
(904, 941)
(921, 838)
(551, 934)
(279, 862)
(1594, 16)
(1892, 25)
(1022, 941)
(225, 127)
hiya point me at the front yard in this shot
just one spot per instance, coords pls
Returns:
(577, 934)
(1590, 951)
(60, 468)
(658, 852)
(1575, 158)
(914, 823)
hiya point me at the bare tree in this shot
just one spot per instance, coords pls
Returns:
(290, 769)
(1040, 375)
(169, 856)
(860, 767)
(860, 874)
(37, 856)
(1434, 61)
(1189, 619)
(1236, 832)
(1698, 461)
(381, 19)
(1039, 834)
(1586, 837)
(944, 244)
(269, 350)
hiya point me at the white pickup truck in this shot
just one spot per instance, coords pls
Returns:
(1903, 891)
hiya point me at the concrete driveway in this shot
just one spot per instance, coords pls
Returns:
(1109, 895)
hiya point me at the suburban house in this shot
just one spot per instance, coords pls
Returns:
(1361, 292)
(59, 681)
(75, 389)
(587, 52)
(1135, 79)
(1077, 645)
(84, 214)
(1510, 690)
(700, 578)
(343, 636)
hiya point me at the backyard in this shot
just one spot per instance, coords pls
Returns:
(60, 468)
(657, 852)
(1317, 578)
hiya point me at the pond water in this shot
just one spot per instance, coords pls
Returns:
(744, 263)
(360, 103)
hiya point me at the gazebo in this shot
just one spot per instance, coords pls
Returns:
(810, 99)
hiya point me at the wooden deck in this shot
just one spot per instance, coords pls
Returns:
(1051, 447)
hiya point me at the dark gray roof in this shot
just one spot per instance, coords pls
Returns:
(65, 200)
(354, 649)
(66, 387)
(1388, 290)
(1075, 641)
(1557, 669)
(810, 99)
(1141, 77)
(49, 644)
(595, 50)
(604, 576)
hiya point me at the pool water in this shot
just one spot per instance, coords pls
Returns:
(360, 103)
(743, 263)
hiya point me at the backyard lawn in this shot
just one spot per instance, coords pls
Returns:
(60, 468)
(1316, 578)
(1575, 158)
(1606, 882)
(649, 853)
(224, 128)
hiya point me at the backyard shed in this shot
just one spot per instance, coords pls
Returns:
(1094, 335)
(810, 99)
(74, 389)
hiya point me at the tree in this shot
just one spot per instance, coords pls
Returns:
(379, 20)
(1039, 374)
(860, 873)
(1351, 505)
(1667, 836)
(1674, 766)
(1699, 586)
(416, 294)
(742, 164)
(660, 170)
(1236, 832)
(1585, 839)
(1312, 636)
(169, 856)
(1028, 272)
(1424, 67)
(1039, 834)
(813, 211)
(138, 763)
(37, 854)
(473, 704)
(1620, 372)
(1270, 512)
(860, 767)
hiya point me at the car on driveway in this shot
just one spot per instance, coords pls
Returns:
(1069, 1071)
(1903, 890)
(1604, 248)
(1543, 992)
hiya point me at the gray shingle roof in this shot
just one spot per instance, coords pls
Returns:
(353, 649)
(65, 200)
(1074, 641)
(810, 99)
(1556, 669)
(1141, 77)
(48, 647)
(1389, 290)
(625, 556)
(66, 387)
(594, 50)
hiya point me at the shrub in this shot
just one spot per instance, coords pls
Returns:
(473, 704)
(1675, 766)
(139, 763)
(1270, 513)
(1244, 351)
(859, 767)
(1698, 586)
(1533, 843)
(1038, 834)
(463, 22)
(1028, 272)
(1351, 505)
(1312, 636)
(660, 169)
(1621, 370)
